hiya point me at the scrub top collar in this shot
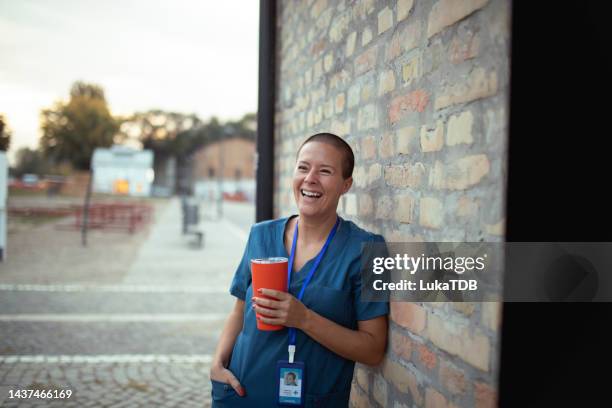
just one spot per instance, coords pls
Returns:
(335, 246)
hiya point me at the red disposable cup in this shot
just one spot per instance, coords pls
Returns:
(269, 273)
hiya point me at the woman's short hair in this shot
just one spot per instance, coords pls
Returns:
(349, 158)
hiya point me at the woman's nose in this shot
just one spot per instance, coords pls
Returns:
(311, 177)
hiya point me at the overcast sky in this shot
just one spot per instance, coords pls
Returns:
(180, 55)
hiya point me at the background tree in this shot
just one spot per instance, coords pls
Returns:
(5, 134)
(30, 161)
(72, 130)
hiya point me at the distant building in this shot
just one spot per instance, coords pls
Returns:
(234, 158)
(123, 170)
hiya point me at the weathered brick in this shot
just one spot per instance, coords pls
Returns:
(368, 147)
(318, 7)
(403, 9)
(407, 140)
(386, 82)
(415, 101)
(317, 69)
(426, 356)
(354, 93)
(479, 84)
(466, 207)
(339, 27)
(340, 102)
(384, 208)
(328, 61)
(385, 20)
(374, 173)
(358, 398)
(350, 204)
(431, 212)
(452, 378)
(317, 48)
(469, 344)
(463, 47)
(322, 22)
(308, 76)
(366, 205)
(409, 315)
(401, 345)
(403, 379)
(433, 399)
(362, 376)
(491, 313)
(328, 108)
(363, 8)
(380, 390)
(404, 212)
(387, 146)
(495, 229)
(350, 44)
(341, 128)
(432, 139)
(367, 118)
(460, 174)
(447, 12)
(318, 115)
(403, 41)
(360, 176)
(405, 175)
(366, 36)
(466, 308)
(460, 129)
(366, 60)
(310, 119)
(411, 69)
(484, 395)
(367, 89)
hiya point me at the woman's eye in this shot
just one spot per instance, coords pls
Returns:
(325, 171)
(301, 167)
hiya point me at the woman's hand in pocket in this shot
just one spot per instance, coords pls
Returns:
(223, 375)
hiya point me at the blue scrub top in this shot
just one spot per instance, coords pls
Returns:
(334, 292)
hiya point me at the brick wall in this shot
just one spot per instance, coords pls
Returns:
(238, 154)
(419, 89)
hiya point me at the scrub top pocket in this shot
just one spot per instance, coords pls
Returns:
(333, 304)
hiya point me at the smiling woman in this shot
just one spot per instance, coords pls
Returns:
(327, 326)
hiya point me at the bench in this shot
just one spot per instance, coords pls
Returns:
(191, 219)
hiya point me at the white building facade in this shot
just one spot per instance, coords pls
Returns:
(123, 170)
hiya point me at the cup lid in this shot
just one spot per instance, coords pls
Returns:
(271, 260)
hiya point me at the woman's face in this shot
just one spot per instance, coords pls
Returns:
(317, 180)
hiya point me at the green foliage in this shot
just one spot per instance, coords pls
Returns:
(30, 161)
(180, 135)
(5, 134)
(72, 130)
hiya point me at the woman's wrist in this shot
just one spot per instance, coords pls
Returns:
(219, 363)
(307, 323)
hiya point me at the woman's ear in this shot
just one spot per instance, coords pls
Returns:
(347, 185)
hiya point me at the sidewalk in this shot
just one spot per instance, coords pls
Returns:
(166, 257)
(144, 337)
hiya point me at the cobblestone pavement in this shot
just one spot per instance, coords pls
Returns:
(140, 333)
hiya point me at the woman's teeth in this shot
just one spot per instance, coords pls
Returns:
(311, 194)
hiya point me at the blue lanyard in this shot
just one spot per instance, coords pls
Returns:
(292, 330)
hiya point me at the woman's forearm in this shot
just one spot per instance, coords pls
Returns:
(230, 332)
(363, 346)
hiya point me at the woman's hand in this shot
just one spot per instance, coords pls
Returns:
(286, 310)
(222, 374)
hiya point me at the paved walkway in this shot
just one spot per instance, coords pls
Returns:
(144, 338)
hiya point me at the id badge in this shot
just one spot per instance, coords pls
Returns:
(290, 383)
